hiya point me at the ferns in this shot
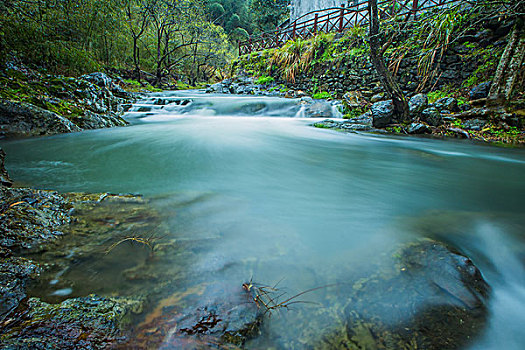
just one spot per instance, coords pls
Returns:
(298, 55)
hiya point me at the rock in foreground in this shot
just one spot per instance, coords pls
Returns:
(90, 322)
(425, 297)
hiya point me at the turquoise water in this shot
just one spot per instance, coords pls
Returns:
(282, 199)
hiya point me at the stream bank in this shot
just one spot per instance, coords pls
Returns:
(157, 272)
(444, 62)
(36, 104)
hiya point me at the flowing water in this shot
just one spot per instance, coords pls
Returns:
(270, 197)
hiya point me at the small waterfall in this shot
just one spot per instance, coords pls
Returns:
(195, 103)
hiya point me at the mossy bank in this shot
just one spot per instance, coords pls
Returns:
(444, 55)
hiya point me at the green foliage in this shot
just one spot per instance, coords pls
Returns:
(239, 34)
(168, 37)
(133, 83)
(264, 80)
(353, 113)
(436, 95)
(488, 59)
(269, 13)
(321, 95)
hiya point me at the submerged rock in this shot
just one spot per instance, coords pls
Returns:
(425, 296)
(32, 221)
(432, 297)
(230, 316)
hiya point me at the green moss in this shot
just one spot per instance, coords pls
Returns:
(353, 113)
(264, 80)
(321, 95)
(487, 62)
(321, 126)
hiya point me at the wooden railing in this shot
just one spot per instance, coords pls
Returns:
(337, 19)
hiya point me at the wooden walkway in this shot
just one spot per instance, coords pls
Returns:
(338, 20)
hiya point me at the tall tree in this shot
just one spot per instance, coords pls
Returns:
(270, 13)
(137, 20)
(385, 76)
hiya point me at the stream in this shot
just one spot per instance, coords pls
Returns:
(258, 194)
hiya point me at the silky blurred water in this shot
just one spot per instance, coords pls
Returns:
(297, 202)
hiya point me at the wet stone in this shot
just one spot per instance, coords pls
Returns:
(91, 322)
(474, 124)
(480, 91)
(418, 103)
(230, 316)
(31, 217)
(432, 116)
(4, 176)
(382, 113)
(447, 103)
(425, 296)
(418, 128)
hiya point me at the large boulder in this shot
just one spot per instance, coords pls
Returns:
(432, 116)
(418, 103)
(424, 295)
(447, 104)
(480, 91)
(4, 176)
(430, 290)
(382, 113)
(20, 119)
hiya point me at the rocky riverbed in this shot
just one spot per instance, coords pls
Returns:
(368, 112)
(50, 242)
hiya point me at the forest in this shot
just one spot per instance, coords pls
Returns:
(353, 181)
(192, 40)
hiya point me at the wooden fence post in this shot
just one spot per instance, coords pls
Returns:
(294, 28)
(341, 18)
(315, 23)
(239, 48)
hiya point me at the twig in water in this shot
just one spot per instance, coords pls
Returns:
(267, 297)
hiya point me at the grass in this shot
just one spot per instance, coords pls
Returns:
(135, 86)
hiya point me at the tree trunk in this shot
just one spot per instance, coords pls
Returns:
(385, 76)
(509, 67)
